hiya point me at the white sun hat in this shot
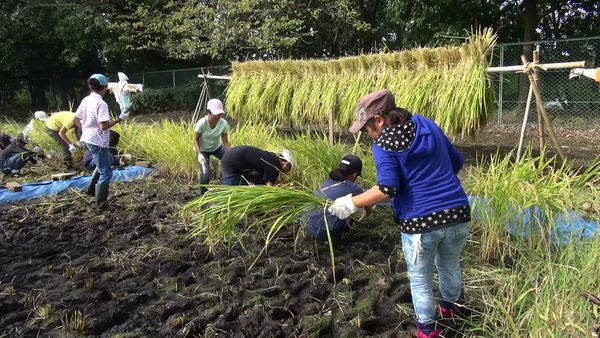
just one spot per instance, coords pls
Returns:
(122, 77)
(215, 106)
(40, 115)
(287, 156)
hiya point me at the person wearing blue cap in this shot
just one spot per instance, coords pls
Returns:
(93, 117)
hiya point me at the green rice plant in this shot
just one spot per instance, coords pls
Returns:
(539, 296)
(167, 143)
(447, 84)
(274, 207)
(512, 187)
(230, 205)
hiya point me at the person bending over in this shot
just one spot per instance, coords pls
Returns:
(57, 126)
(247, 165)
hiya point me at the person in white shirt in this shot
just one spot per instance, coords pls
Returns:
(38, 115)
(122, 95)
(210, 138)
(93, 118)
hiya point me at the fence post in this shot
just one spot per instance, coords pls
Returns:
(500, 86)
(173, 79)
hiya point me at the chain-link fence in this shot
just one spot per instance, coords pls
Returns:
(572, 103)
(176, 78)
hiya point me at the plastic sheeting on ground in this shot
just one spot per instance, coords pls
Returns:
(47, 188)
(567, 226)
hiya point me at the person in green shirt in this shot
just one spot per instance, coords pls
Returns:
(210, 138)
(57, 126)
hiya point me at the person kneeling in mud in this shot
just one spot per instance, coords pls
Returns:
(247, 165)
(341, 182)
(15, 156)
(113, 141)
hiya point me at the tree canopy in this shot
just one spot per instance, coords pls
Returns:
(64, 41)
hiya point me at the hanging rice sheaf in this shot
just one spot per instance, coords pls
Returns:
(447, 84)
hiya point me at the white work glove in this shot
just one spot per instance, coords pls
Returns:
(72, 148)
(202, 162)
(79, 144)
(343, 207)
(124, 115)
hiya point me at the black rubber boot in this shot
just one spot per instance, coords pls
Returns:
(91, 190)
(101, 196)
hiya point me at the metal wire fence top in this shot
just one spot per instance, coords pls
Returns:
(570, 103)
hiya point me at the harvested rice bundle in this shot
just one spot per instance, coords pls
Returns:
(230, 205)
(447, 84)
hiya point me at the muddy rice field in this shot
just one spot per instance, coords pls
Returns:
(69, 271)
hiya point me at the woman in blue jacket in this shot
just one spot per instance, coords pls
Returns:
(416, 167)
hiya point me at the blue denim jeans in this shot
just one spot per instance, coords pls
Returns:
(15, 163)
(442, 247)
(205, 177)
(103, 159)
(251, 177)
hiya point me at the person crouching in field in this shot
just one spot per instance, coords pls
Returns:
(210, 139)
(247, 165)
(5, 141)
(57, 126)
(15, 156)
(93, 117)
(417, 166)
(88, 158)
(341, 182)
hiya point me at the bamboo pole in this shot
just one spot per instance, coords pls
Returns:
(525, 118)
(505, 69)
(561, 65)
(536, 77)
(540, 104)
(331, 127)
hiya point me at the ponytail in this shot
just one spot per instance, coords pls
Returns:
(337, 175)
(397, 116)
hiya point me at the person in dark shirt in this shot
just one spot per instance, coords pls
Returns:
(341, 182)
(4, 141)
(88, 160)
(246, 165)
(15, 156)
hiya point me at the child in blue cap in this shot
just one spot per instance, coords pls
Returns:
(93, 117)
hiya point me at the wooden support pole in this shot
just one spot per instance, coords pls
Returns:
(356, 142)
(540, 104)
(536, 77)
(524, 126)
(331, 127)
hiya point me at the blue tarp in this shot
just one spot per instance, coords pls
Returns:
(566, 226)
(47, 188)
